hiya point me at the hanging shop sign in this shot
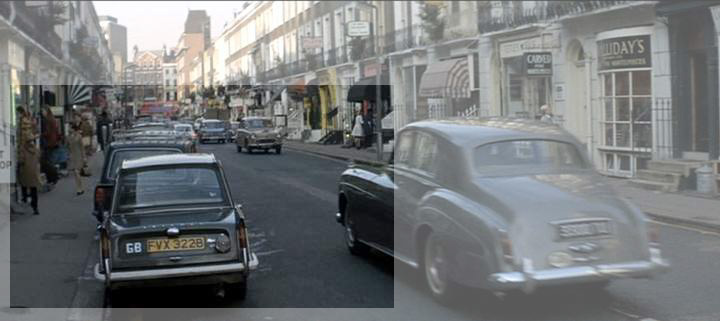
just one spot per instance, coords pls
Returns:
(358, 29)
(624, 52)
(519, 47)
(538, 63)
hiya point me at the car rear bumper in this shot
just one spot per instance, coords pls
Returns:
(528, 280)
(264, 145)
(191, 275)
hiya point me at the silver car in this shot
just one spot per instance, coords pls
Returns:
(497, 204)
(258, 133)
(173, 222)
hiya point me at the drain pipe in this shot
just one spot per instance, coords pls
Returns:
(589, 109)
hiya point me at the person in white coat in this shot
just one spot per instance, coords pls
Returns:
(357, 132)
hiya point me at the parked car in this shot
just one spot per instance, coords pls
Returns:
(258, 133)
(212, 129)
(497, 204)
(120, 151)
(173, 222)
(185, 131)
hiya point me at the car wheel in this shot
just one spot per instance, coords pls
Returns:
(351, 240)
(436, 269)
(278, 150)
(238, 290)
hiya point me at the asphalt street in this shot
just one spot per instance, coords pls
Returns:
(290, 200)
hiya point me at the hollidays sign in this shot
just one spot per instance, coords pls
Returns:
(624, 52)
(538, 63)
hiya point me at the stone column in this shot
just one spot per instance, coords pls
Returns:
(715, 10)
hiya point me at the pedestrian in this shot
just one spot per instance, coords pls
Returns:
(51, 138)
(29, 164)
(87, 132)
(77, 158)
(546, 115)
(368, 127)
(103, 129)
(358, 132)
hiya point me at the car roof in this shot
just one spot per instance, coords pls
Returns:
(129, 144)
(478, 131)
(182, 125)
(170, 159)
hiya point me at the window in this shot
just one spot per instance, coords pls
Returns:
(404, 148)
(122, 155)
(425, 153)
(507, 158)
(163, 187)
(627, 105)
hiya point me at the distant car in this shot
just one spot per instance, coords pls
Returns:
(173, 222)
(258, 133)
(212, 129)
(185, 131)
(498, 204)
(120, 151)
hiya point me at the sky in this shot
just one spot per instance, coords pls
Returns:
(150, 24)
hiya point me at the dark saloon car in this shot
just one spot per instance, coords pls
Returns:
(212, 129)
(497, 204)
(173, 222)
(121, 151)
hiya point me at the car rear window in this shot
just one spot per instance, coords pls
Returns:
(170, 186)
(214, 125)
(122, 155)
(543, 156)
(258, 123)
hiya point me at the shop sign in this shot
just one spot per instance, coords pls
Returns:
(312, 42)
(371, 70)
(538, 63)
(624, 52)
(519, 47)
(358, 29)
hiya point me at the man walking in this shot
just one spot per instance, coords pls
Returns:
(29, 164)
(102, 129)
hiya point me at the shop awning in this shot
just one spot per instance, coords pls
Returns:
(297, 88)
(448, 78)
(78, 91)
(365, 89)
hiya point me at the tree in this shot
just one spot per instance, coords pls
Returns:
(432, 22)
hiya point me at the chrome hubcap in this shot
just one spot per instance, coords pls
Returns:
(349, 235)
(435, 266)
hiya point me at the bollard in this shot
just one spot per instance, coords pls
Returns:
(705, 179)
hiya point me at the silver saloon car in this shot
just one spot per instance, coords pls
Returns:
(498, 204)
(173, 222)
(258, 133)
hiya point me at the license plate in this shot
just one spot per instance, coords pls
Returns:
(584, 229)
(175, 244)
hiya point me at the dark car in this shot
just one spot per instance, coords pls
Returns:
(497, 204)
(120, 151)
(212, 129)
(173, 222)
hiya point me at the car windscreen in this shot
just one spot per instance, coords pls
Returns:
(214, 125)
(183, 128)
(169, 186)
(258, 123)
(122, 155)
(537, 156)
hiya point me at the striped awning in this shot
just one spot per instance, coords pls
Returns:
(447, 78)
(78, 91)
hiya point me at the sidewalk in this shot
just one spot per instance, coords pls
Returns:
(50, 250)
(676, 208)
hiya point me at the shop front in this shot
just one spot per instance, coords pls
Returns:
(624, 66)
(526, 74)
(446, 86)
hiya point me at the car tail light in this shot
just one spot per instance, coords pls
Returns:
(242, 237)
(507, 248)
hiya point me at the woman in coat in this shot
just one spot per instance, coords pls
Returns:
(30, 173)
(357, 132)
(76, 160)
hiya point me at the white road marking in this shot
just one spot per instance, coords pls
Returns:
(682, 227)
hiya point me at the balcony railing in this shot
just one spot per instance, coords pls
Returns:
(28, 20)
(515, 14)
(403, 39)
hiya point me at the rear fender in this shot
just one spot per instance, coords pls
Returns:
(468, 230)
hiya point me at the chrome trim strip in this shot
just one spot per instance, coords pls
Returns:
(170, 272)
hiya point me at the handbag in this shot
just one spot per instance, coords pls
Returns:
(85, 171)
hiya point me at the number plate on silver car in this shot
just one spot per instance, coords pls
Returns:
(583, 228)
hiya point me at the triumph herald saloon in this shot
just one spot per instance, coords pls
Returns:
(496, 204)
(173, 222)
